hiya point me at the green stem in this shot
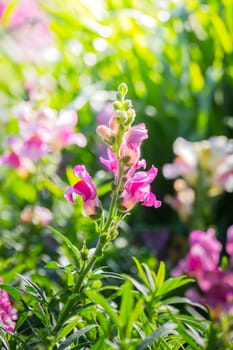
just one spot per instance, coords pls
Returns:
(87, 266)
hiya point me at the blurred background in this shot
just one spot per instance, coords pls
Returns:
(176, 56)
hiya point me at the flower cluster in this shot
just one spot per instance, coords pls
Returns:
(8, 315)
(207, 163)
(124, 150)
(40, 132)
(202, 263)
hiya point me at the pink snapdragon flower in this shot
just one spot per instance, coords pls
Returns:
(138, 189)
(124, 143)
(86, 188)
(8, 315)
(202, 263)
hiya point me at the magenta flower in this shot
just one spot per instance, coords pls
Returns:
(110, 163)
(86, 188)
(11, 159)
(201, 262)
(138, 189)
(203, 255)
(8, 315)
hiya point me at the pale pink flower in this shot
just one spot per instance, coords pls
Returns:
(64, 133)
(8, 315)
(34, 148)
(86, 188)
(29, 30)
(212, 156)
(138, 189)
(106, 134)
(38, 215)
(136, 135)
(130, 150)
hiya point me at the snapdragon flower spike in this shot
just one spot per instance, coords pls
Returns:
(86, 188)
(138, 189)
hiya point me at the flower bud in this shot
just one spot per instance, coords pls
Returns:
(127, 105)
(84, 252)
(131, 115)
(122, 91)
(106, 134)
(117, 105)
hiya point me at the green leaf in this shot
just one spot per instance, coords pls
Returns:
(150, 276)
(22, 317)
(141, 272)
(165, 329)
(134, 315)
(172, 284)
(99, 299)
(126, 304)
(53, 265)
(160, 275)
(192, 338)
(69, 244)
(68, 328)
(139, 286)
(12, 291)
(74, 337)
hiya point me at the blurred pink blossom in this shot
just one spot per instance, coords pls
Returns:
(86, 188)
(28, 29)
(8, 315)
(37, 215)
(213, 156)
(203, 254)
(40, 132)
(202, 263)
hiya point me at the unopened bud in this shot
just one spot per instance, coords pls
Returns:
(121, 116)
(131, 115)
(104, 238)
(84, 252)
(117, 105)
(106, 134)
(127, 104)
(122, 90)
